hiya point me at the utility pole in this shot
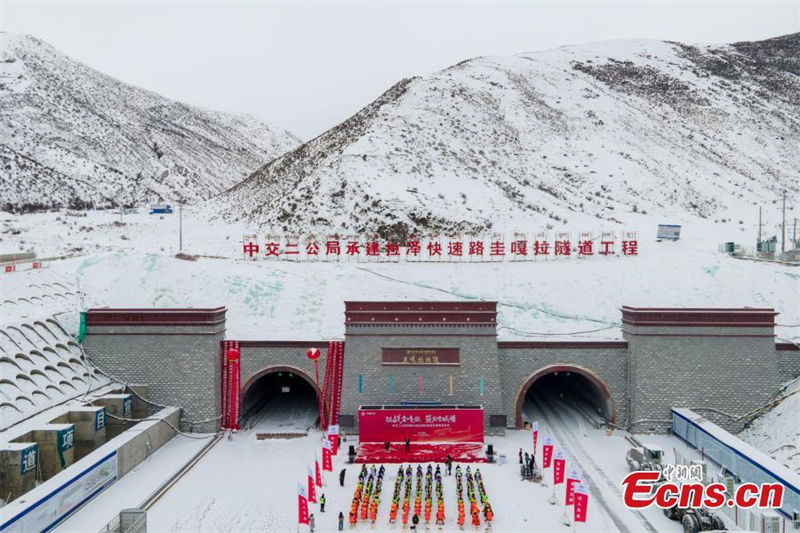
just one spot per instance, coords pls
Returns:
(783, 225)
(180, 227)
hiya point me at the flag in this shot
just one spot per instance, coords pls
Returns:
(535, 429)
(318, 476)
(573, 478)
(302, 505)
(327, 465)
(547, 452)
(333, 436)
(581, 502)
(312, 494)
(559, 465)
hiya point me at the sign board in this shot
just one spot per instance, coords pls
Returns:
(127, 405)
(669, 232)
(29, 459)
(45, 514)
(427, 425)
(420, 356)
(100, 419)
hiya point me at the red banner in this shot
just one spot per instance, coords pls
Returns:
(302, 505)
(312, 494)
(327, 464)
(535, 429)
(547, 452)
(317, 475)
(420, 425)
(580, 502)
(559, 465)
(333, 436)
(573, 479)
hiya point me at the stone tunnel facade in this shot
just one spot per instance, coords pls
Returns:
(723, 362)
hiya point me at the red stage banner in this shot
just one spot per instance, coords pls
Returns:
(559, 465)
(547, 452)
(581, 502)
(302, 505)
(420, 425)
(312, 494)
(573, 478)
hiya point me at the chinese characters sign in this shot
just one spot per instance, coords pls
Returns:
(452, 248)
(420, 356)
(429, 425)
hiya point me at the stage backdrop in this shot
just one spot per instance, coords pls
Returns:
(420, 425)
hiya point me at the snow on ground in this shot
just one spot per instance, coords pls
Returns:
(133, 265)
(777, 432)
(246, 485)
(136, 486)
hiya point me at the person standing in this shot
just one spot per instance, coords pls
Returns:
(414, 522)
(341, 521)
(322, 503)
(311, 522)
(341, 477)
(520, 456)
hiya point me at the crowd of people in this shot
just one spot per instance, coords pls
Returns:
(367, 495)
(423, 485)
(527, 466)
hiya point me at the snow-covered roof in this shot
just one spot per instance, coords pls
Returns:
(41, 363)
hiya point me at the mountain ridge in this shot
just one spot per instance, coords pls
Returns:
(75, 137)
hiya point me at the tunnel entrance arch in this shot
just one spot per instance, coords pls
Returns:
(284, 391)
(600, 389)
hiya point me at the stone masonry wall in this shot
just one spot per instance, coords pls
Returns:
(181, 368)
(700, 368)
(478, 358)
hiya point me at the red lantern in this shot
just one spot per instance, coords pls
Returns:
(313, 353)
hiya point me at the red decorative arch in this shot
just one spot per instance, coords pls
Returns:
(611, 408)
(279, 368)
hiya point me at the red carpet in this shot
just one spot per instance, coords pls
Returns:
(422, 452)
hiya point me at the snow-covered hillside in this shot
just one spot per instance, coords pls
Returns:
(583, 134)
(72, 136)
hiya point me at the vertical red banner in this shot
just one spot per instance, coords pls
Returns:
(317, 475)
(327, 464)
(233, 385)
(559, 465)
(302, 505)
(580, 502)
(573, 478)
(312, 494)
(224, 390)
(547, 452)
(333, 436)
(535, 431)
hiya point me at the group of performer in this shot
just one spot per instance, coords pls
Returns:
(367, 494)
(474, 509)
(422, 486)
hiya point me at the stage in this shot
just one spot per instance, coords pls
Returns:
(421, 452)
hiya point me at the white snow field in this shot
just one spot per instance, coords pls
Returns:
(250, 485)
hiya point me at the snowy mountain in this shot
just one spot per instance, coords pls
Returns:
(596, 135)
(72, 136)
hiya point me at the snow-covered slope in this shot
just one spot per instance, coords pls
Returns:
(72, 136)
(573, 135)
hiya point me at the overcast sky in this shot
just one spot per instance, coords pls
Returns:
(308, 66)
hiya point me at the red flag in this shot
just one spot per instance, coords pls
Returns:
(535, 428)
(312, 494)
(559, 465)
(318, 476)
(573, 478)
(302, 505)
(547, 452)
(333, 436)
(327, 464)
(581, 502)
